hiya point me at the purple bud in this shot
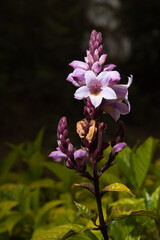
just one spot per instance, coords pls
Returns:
(109, 67)
(65, 133)
(118, 147)
(96, 67)
(58, 156)
(80, 156)
(102, 59)
(70, 148)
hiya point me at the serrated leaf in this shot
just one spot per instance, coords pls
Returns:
(116, 187)
(142, 158)
(85, 211)
(45, 209)
(86, 185)
(58, 232)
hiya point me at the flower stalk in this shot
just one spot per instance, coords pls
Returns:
(98, 84)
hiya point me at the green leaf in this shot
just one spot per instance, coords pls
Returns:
(87, 235)
(42, 183)
(156, 199)
(8, 163)
(12, 220)
(85, 211)
(124, 162)
(58, 232)
(6, 206)
(86, 185)
(148, 201)
(38, 141)
(40, 217)
(35, 166)
(142, 159)
(116, 187)
(62, 172)
(118, 213)
(35, 200)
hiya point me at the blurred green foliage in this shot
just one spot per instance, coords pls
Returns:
(36, 201)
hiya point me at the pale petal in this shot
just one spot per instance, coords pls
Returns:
(78, 76)
(90, 76)
(108, 93)
(96, 100)
(79, 64)
(113, 77)
(70, 79)
(103, 78)
(82, 92)
(120, 90)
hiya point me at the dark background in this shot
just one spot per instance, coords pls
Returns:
(39, 38)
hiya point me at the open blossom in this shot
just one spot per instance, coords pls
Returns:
(120, 105)
(104, 86)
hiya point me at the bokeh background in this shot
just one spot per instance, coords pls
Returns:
(39, 38)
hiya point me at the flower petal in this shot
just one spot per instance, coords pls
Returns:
(82, 92)
(90, 76)
(120, 90)
(70, 79)
(108, 93)
(58, 156)
(79, 64)
(109, 67)
(96, 100)
(103, 78)
(113, 77)
(78, 76)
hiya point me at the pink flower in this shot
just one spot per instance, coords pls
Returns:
(98, 87)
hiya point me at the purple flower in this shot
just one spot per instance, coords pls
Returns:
(120, 105)
(98, 87)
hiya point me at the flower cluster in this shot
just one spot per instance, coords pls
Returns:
(99, 85)
(99, 82)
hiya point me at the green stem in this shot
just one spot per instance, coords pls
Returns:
(103, 226)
